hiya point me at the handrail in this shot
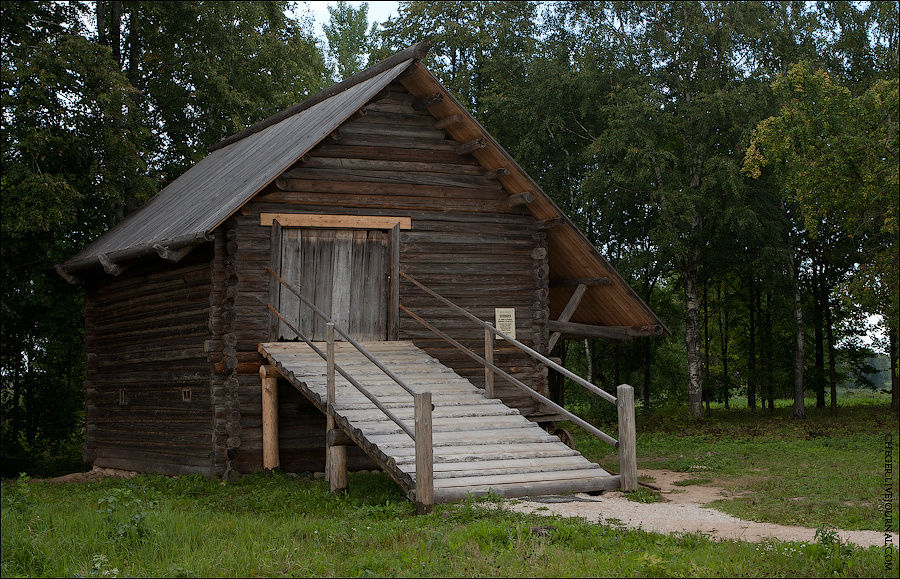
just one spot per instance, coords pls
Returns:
(345, 335)
(528, 390)
(534, 354)
(422, 406)
(343, 373)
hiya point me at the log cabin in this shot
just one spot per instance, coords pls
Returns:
(378, 221)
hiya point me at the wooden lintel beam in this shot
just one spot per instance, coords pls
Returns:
(425, 102)
(334, 221)
(577, 282)
(447, 121)
(613, 332)
(497, 173)
(567, 312)
(108, 266)
(173, 256)
(474, 145)
(61, 271)
(523, 198)
(337, 437)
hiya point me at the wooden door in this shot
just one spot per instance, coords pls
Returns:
(344, 273)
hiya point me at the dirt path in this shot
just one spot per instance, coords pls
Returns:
(683, 512)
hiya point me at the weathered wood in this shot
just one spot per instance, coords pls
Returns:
(489, 356)
(269, 379)
(613, 332)
(334, 221)
(577, 282)
(109, 267)
(523, 198)
(470, 146)
(394, 287)
(61, 271)
(427, 102)
(497, 173)
(336, 455)
(274, 286)
(627, 438)
(424, 453)
(567, 312)
(170, 255)
(448, 121)
(337, 437)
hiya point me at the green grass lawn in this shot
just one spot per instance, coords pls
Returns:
(289, 526)
(827, 469)
(824, 470)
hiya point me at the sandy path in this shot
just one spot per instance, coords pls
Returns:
(684, 512)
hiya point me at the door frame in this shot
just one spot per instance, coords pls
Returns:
(277, 221)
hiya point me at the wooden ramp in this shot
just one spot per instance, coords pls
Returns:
(480, 444)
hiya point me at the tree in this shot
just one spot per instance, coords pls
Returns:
(348, 39)
(837, 157)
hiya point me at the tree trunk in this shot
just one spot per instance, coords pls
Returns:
(692, 336)
(894, 346)
(101, 23)
(723, 340)
(706, 342)
(751, 355)
(115, 30)
(648, 364)
(832, 373)
(767, 344)
(617, 376)
(557, 380)
(590, 360)
(799, 354)
(819, 373)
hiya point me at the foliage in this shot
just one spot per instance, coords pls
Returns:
(348, 39)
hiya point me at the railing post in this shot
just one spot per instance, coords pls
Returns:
(627, 438)
(424, 453)
(335, 456)
(489, 356)
(269, 378)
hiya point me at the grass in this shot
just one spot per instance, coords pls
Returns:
(291, 526)
(825, 470)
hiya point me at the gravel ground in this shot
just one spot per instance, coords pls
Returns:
(684, 512)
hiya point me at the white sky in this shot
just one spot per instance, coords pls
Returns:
(378, 12)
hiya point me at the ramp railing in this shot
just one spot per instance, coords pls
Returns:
(624, 402)
(421, 433)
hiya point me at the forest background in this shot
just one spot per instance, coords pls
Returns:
(737, 162)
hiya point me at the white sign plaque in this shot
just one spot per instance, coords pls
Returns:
(505, 321)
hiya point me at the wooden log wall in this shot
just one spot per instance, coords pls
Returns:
(467, 242)
(145, 333)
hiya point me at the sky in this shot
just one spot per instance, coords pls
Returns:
(378, 12)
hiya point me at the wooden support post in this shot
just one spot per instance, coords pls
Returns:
(424, 453)
(473, 145)
(394, 311)
(567, 312)
(447, 122)
(489, 356)
(523, 198)
(335, 456)
(627, 438)
(269, 378)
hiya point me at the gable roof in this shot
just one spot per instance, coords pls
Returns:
(186, 211)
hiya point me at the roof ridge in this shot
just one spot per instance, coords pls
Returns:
(414, 52)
